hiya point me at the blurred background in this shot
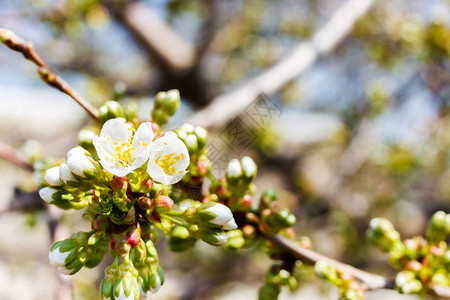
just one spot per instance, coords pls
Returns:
(346, 131)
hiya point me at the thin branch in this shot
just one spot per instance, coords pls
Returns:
(229, 105)
(167, 45)
(49, 76)
(372, 281)
(12, 155)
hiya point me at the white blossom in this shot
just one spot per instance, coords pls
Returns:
(157, 287)
(120, 148)
(122, 295)
(52, 176)
(188, 128)
(169, 159)
(76, 151)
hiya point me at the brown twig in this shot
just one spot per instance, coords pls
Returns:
(14, 42)
(10, 154)
(371, 281)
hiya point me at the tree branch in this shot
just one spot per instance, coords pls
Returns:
(12, 155)
(157, 36)
(229, 105)
(370, 280)
(49, 76)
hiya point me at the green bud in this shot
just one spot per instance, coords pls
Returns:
(126, 282)
(439, 227)
(180, 239)
(156, 278)
(191, 143)
(110, 110)
(86, 137)
(95, 251)
(267, 197)
(213, 236)
(382, 234)
(106, 286)
(160, 117)
(280, 219)
(235, 239)
(202, 137)
(171, 102)
(249, 169)
(324, 270)
(269, 291)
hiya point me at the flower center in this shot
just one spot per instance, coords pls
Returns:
(166, 163)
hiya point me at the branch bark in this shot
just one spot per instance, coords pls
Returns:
(12, 155)
(12, 41)
(229, 105)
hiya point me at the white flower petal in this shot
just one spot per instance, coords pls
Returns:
(188, 128)
(142, 141)
(76, 151)
(230, 225)
(157, 287)
(52, 176)
(223, 238)
(116, 129)
(122, 295)
(248, 165)
(201, 132)
(79, 163)
(234, 168)
(58, 258)
(168, 146)
(222, 212)
(65, 174)
(47, 193)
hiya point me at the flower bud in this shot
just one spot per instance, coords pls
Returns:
(267, 198)
(234, 170)
(324, 270)
(77, 151)
(382, 234)
(145, 203)
(52, 176)
(62, 252)
(249, 168)
(279, 219)
(180, 240)
(235, 240)
(439, 227)
(188, 128)
(160, 117)
(81, 165)
(163, 204)
(95, 251)
(66, 176)
(126, 286)
(119, 245)
(215, 237)
(106, 286)
(85, 138)
(171, 101)
(156, 278)
(47, 194)
(216, 213)
(269, 291)
(110, 110)
(132, 236)
(407, 284)
(191, 143)
(202, 137)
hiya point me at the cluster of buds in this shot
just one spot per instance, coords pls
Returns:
(273, 218)
(124, 176)
(165, 106)
(349, 288)
(279, 275)
(81, 249)
(423, 261)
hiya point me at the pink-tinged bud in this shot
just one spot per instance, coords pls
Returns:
(411, 244)
(251, 217)
(221, 191)
(101, 223)
(119, 184)
(248, 230)
(347, 277)
(118, 245)
(145, 203)
(437, 251)
(163, 204)
(95, 196)
(133, 236)
(147, 184)
(247, 201)
(413, 265)
(201, 169)
(289, 233)
(156, 129)
(130, 217)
